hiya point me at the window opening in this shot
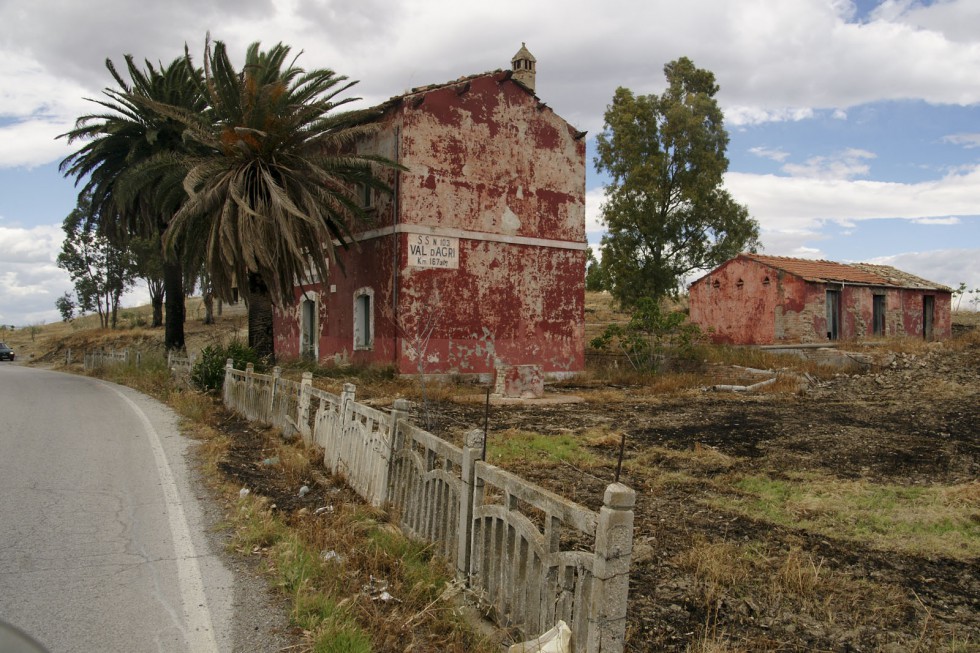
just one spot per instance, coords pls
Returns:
(364, 318)
(308, 335)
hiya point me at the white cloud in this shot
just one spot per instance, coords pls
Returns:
(937, 221)
(844, 165)
(776, 154)
(741, 115)
(969, 141)
(30, 280)
(807, 202)
(775, 60)
(957, 20)
(593, 212)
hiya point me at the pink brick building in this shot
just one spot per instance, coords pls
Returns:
(763, 300)
(477, 260)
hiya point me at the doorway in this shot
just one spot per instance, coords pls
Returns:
(928, 315)
(878, 315)
(833, 314)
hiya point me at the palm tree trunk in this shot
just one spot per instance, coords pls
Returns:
(173, 284)
(156, 301)
(260, 336)
(208, 299)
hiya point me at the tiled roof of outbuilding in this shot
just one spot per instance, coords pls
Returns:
(860, 273)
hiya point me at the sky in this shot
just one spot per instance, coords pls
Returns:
(854, 125)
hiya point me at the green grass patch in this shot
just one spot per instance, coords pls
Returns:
(913, 519)
(514, 446)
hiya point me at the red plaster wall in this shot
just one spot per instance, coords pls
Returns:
(489, 160)
(792, 310)
(506, 303)
(731, 313)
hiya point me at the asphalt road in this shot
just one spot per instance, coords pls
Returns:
(102, 539)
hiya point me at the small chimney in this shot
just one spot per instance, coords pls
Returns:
(523, 64)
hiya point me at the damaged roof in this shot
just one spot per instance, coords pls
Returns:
(867, 274)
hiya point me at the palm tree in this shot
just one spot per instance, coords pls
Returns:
(276, 188)
(131, 169)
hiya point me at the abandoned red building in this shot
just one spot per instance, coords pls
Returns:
(477, 259)
(762, 300)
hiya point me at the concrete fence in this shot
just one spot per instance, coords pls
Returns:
(531, 557)
(103, 358)
(179, 364)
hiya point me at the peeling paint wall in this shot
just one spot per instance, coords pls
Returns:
(745, 302)
(479, 257)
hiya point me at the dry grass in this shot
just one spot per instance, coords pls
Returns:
(697, 462)
(791, 584)
(922, 520)
(354, 581)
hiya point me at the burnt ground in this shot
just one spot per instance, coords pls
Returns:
(911, 421)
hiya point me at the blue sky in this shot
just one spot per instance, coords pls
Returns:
(855, 126)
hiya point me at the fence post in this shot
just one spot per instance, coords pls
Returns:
(346, 396)
(68, 356)
(276, 375)
(610, 568)
(227, 385)
(399, 411)
(303, 411)
(472, 452)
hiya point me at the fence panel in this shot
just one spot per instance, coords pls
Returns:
(517, 561)
(533, 557)
(285, 406)
(424, 487)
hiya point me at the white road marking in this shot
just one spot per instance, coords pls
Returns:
(197, 615)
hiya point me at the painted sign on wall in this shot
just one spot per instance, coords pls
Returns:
(427, 251)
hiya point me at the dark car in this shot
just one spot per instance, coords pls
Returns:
(6, 353)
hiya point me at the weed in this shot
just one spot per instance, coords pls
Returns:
(927, 520)
(514, 445)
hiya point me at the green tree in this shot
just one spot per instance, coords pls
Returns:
(129, 166)
(150, 266)
(594, 276)
(651, 334)
(100, 270)
(276, 186)
(665, 210)
(66, 305)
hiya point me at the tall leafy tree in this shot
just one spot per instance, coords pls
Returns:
(100, 270)
(129, 165)
(276, 186)
(665, 210)
(150, 266)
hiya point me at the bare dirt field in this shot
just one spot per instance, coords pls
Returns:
(836, 511)
(715, 570)
(842, 516)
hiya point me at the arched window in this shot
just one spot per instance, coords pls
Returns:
(364, 318)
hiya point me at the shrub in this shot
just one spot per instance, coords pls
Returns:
(651, 335)
(209, 370)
